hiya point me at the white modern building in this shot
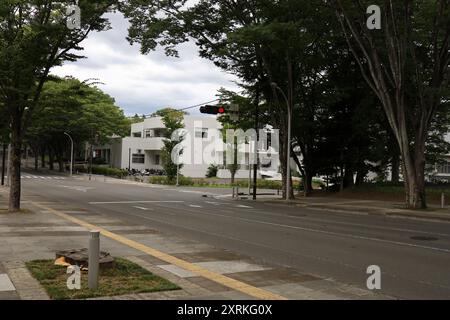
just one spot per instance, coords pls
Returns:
(142, 149)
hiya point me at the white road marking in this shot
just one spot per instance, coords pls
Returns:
(213, 203)
(142, 208)
(223, 196)
(77, 188)
(242, 206)
(194, 206)
(137, 201)
(343, 235)
(41, 177)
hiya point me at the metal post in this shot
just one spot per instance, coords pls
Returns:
(249, 172)
(288, 156)
(442, 200)
(8, 166)
(178, 174)
(71, 153)
(91, 155)
(94, 259)
(129, 159)
(3, 164)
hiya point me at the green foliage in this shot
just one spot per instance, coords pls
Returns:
(34, 38)
(338, 122)
(112, 172)
(79, 109)
(106, 171)
(212, 171)
(173, 122)
(217, 183)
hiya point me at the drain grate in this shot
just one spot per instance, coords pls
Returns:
(424, 238)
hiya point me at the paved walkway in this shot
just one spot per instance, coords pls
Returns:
(39, 233)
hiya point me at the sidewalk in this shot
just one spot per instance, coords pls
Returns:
(367, 207)
(37, 235)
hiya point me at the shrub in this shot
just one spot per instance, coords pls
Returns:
(158, 180)
(112, 172)
(212, 171)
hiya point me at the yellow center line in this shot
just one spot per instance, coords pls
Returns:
(216, 277)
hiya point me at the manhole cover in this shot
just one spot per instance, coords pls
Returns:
(424, 238)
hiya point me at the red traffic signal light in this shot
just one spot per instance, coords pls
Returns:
(212, 109)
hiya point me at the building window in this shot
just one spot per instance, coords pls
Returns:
(201, 133)
(137, 134)
(444, 168)
(149, 133)
(139, 158)
(157, 159)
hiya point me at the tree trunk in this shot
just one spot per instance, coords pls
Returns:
(309, 186)
(43, 157)
(15, 162)
(60, 162)
(360, 175)
(415, 180)
(348, 177)
(395, 169)
(233, 174)
(36, 159)
(51, 159)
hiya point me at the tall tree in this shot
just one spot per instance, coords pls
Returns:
(78, 108)
(406, 64)
(34, 37)
(173, 121)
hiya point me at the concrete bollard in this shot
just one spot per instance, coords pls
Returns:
(94, 259)
(442, 200)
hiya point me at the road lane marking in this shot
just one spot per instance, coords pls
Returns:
(137, 201)
(201, 271)
(213, 203)
(242, 206)
(194, 206)
(343, 235)
(77, 188)
(142, 208)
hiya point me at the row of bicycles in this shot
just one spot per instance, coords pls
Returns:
(146, 172)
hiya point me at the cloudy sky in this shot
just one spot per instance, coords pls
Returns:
(143, 84)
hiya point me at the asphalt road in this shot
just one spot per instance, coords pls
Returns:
(335, 245)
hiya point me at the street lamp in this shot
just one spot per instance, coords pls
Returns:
(71, 153)
(288, 167)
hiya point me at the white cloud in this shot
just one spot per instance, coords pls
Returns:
(142, 84)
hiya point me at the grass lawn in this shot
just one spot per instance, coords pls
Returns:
(388, 192)
(125, 278)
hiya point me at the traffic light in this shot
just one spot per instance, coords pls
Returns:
(212, 109)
